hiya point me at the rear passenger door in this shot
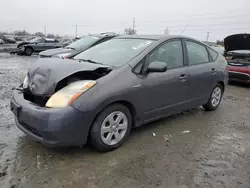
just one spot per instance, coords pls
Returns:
(201, 73)
(50, 44)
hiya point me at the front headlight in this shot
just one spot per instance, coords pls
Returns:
(70, 93)
(25, 82)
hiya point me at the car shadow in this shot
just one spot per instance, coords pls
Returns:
(148, 128)
(239, 84)
(27, 145)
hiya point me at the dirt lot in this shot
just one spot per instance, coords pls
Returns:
(192, 149)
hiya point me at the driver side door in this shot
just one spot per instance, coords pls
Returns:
(165, 93)
(39, 45)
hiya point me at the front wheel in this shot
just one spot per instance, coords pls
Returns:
(28, 51)
(111, 128)
(215, 98)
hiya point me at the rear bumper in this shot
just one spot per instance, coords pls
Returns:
(239, 76)
(50, 126)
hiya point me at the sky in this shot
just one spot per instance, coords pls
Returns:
(193, 18)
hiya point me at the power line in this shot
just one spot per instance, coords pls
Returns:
(197, 18)
(221, 29)
(200, 25)
(212, 13)
(163, 22)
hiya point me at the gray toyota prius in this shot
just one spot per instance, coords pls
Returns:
(117, 85)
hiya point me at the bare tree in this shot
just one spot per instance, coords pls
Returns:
(39, 34)
(21, 33)
(50, 35)
(130, 31)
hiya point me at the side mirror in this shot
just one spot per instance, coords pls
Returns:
(157, 66)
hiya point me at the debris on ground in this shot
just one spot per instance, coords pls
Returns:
(167, 137)
(185, 132)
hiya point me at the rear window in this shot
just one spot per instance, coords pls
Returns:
(213, 54)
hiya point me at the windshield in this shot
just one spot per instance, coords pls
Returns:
(35, 40)
(83, 43)
(115, 52)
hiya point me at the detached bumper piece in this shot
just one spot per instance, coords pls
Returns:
(50, 126)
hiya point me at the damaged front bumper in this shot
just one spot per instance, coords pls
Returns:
(50, 126)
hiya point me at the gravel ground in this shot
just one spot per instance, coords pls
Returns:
(191, 149)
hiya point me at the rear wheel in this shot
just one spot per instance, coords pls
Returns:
(215, 98)
(28, 51)
(111, 128)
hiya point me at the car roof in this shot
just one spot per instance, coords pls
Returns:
(106, 34)
(154, 37)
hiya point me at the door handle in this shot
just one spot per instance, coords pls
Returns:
(213, 71)
(183, 78)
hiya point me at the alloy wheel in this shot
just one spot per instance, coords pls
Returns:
(114, 128)
(216, 96)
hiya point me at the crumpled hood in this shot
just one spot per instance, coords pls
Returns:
(56, 51)
(44, 74)
(237, 42)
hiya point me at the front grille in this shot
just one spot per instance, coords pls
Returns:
(29, 128)
(238, 76)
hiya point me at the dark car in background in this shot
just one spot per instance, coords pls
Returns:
(8, 39)
(237, 53)
(114, 86)
(78, 46)
(37, 45)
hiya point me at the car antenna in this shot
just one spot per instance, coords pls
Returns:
(184, 30)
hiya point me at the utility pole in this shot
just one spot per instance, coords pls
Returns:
(133, 25)
(207, 36)
(76, 30)
(45, 30)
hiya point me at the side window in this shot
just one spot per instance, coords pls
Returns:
(49, 41)
(197, 53)
(170, 53)
(213, 54)
(41, 41)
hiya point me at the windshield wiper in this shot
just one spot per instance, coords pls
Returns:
(90, 61)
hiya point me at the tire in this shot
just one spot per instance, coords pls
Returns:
(103, 132)
(28, 51)
(215, 98)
